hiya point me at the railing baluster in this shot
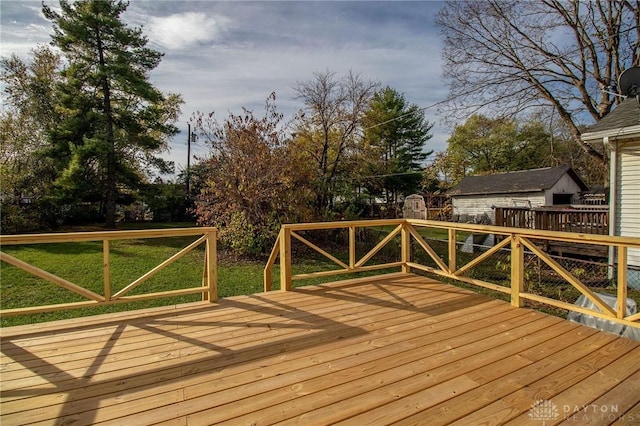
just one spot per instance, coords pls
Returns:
(621, 310)
(285, 259)
(405, 237)
(352, 247)
(212, 267)
(106, 265)
(517, 270)
(267, 279)
(452, 250)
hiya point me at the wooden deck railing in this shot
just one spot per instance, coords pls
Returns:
(208, 289)
(448, 264)
(282, 247)
(516, 240)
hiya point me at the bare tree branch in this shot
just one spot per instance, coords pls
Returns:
(334, 108)
(504, 58)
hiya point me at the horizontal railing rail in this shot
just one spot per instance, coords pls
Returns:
(516, 241)
(208, 287)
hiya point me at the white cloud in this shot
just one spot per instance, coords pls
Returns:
(182, 30)
(224, 55)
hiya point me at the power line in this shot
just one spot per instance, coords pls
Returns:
(391, 174)
(405, 115)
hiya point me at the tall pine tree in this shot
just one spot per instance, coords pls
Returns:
(114, 120)
(397, 132)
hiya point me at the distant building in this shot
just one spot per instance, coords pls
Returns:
(475, 197)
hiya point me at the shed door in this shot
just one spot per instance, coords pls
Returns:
(628, 197)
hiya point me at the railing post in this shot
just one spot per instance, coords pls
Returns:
(211, 268)
(405, 236)
(266, 280)
(106, 269)
(285, 259)
(352, 247)
(621, 310)
(452, 250)
(517, 270)
(499, 214)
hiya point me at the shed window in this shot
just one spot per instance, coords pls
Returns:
(562, 199)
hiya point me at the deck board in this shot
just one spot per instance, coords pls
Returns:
(398, 349)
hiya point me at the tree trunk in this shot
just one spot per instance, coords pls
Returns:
(111, 195)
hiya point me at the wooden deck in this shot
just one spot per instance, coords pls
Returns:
(398, 349)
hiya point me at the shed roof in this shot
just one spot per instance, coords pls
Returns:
(625, 116)
(535, 180)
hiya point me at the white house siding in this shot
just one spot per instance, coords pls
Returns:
(474, 205)
(628, 196)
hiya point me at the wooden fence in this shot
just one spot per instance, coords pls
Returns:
(208, 289)
(514, 239)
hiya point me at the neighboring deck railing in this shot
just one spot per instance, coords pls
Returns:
(208, 289)
(586, 220)
(516, 241)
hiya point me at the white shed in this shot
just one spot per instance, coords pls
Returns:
(620, 133)
(476, 196)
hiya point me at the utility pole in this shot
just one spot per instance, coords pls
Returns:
(188, 159)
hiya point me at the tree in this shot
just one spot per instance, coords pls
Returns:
(168, 201)
(29, 88)
(483, 146)
(25, 120)
(441, 173)
(516, 55)
(564, 151)
(253, 182)
(114, 120)
(327, 133)
(397, 133)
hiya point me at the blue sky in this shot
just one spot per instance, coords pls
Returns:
(222, 56)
